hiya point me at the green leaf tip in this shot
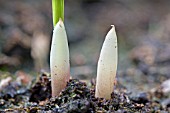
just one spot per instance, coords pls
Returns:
(57, 10)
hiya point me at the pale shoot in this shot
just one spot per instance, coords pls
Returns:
(59, 59)
(107, 66)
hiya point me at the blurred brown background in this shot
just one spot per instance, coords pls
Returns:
(143, 28)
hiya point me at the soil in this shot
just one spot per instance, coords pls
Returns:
(77, 97)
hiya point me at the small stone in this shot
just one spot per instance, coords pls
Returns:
(166, 103)
(166, 86)
(2, 102)
(141, 98)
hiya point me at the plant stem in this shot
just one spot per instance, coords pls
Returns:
(58, 10)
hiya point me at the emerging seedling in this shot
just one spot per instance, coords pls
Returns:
(107, 66)
(59, 55)
(59, 59)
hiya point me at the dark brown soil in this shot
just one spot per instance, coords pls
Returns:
(77, 97)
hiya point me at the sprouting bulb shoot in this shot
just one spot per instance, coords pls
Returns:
(59, 59)
(107, 66)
